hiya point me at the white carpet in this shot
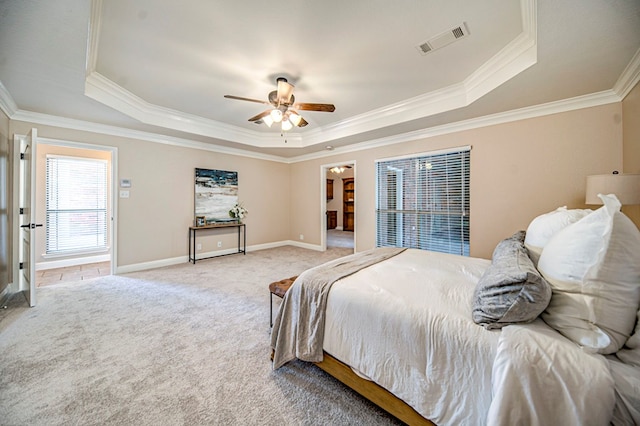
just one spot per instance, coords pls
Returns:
(182, 345)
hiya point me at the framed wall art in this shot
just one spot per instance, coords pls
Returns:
(216, 192)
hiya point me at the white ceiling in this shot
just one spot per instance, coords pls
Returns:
(162, 67)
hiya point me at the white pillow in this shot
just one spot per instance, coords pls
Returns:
(593, 267)
(545, 226)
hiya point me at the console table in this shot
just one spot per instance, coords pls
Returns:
(193, 230)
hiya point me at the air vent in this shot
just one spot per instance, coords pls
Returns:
(424, 48)
(443, 39)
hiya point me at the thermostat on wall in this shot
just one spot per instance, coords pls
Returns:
(125, 183)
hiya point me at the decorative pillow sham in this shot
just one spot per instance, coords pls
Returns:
(593, 266)
(511, 290)
(545, 226)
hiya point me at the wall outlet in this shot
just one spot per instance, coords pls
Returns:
(301, 237)
(219, 243)
(199, 246)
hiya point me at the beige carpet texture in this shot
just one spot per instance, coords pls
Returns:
(181, 345)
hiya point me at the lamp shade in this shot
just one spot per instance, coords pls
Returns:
(626, 187)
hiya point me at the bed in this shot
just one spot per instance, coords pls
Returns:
(434, 337)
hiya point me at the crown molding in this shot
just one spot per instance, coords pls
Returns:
(557, 107)
(95, 23)
(629, 77)
(517, 56)
(565, 105)
(7, 104)
(514, 58)
(85, 126)
(109, 93)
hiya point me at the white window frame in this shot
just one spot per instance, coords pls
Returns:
(56, 246)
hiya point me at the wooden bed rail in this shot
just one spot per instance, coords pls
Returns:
(372, 391)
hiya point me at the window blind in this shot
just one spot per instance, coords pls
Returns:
(76, 204)
(423, 202)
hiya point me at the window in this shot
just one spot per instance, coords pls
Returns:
(423, 201)
(76, 204)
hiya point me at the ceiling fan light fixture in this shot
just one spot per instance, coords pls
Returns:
(286, 125)
(276, 115)
(267, 120)
(295, 118)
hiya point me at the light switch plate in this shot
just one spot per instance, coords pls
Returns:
(124, 194)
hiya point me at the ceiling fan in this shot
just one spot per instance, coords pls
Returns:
(284, 109)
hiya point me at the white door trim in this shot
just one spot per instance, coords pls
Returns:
(324, 168)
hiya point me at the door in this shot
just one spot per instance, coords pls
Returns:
(27, 218)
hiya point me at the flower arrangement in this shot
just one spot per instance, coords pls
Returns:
(238, 211)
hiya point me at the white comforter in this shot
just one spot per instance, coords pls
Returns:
(541, 378)
(405, 323)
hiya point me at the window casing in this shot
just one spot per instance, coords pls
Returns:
(423, 201)
(76, 205)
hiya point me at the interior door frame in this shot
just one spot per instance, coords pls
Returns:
(113, 175)
(324, 169)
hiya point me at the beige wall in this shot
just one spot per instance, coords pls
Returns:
(631, 142)
(41, 192)
(153, 222)
(6, 234)
(518, 171)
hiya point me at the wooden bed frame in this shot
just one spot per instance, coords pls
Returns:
(372, 391)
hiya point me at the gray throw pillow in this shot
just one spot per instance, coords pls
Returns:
(511, 290)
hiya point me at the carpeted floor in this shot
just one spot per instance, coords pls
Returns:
(337, 238)
(182, 345)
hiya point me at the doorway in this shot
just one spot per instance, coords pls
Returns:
(338, 205)
(62, 251)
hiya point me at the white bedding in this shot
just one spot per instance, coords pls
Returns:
(542, 378)
(406, 324)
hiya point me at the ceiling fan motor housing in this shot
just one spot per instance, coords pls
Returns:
(273, 99)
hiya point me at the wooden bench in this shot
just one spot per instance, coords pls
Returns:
(279, 288)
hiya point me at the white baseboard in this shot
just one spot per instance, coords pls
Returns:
(184, 259)
(304, 245)
(63, 263)
(339, 228)
(135, 267)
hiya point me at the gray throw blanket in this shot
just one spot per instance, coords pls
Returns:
(298, 330)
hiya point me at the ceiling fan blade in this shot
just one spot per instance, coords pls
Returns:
(315, 107)
(259, 116)
(285, 90)
(302, 123)
(240, 98)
